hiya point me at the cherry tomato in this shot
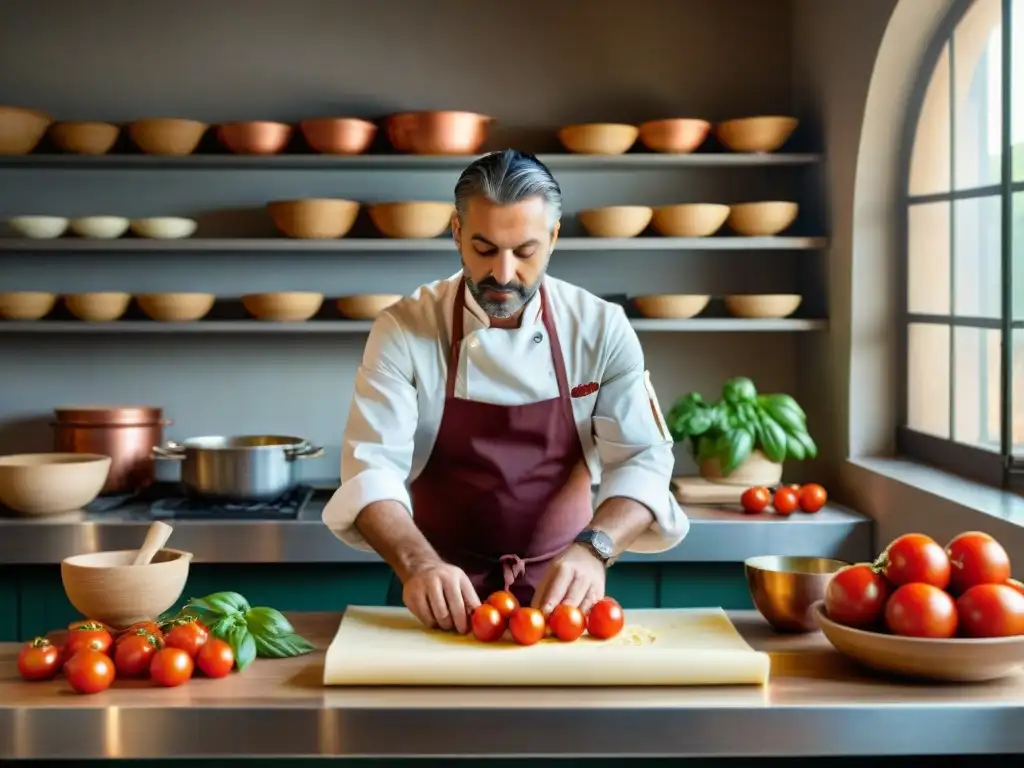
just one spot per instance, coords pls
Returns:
(856, 596)
(215, 658)
(89, 671)
(141, 627)
(133, 654)
(39, 659)
(171, 667)
(188, 635)
(1013, 583)
(991, 610)
(488, 623)
(567, 622)
(921, 610)
(505, 602)
(756, 499)
(91, 635)
(786, 501)
(976, 558)
(527, 626)
(812, 497)
(605, 619)
(915, 559)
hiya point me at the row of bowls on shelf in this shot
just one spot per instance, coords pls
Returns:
(107, 306)
(298, 306)
(436, 132)
(334, 218)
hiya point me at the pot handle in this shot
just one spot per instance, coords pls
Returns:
(170, 450)
(304, 451)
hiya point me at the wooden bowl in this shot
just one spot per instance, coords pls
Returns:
(38, 227)
(164, 227)
(314, 219)
(756, 134)
(85, 138)
(412, 219)
(675, 306)
(615, 220)
(176, 307)
(105, 586)
(956, 660)
(167, 135)
(21, 129)
(598, 138)
(763, 306)
(51, 483)
(101, 307)
(254, 137)
(99, 227)
(26, 305)
(761, 219)
(677, 136)
(366, 306)
(284, 306)
(690, 219)
(785, 589)
(338, 135)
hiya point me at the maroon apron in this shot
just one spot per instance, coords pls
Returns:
(506, 488)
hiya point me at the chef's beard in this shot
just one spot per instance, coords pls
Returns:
(519, 295)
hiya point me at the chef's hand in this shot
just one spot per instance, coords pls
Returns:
(441, 595)
(576, 577)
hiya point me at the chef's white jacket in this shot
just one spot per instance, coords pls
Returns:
(399, 395)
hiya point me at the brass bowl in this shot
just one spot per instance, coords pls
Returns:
(785, 589)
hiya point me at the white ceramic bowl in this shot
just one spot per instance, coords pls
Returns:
(39, 227)
(100, 227)
(164, 227)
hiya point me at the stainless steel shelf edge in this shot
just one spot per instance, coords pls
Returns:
(698, 325)
(367, 245)
(403, 162)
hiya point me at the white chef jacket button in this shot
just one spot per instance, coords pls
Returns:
(538, 338)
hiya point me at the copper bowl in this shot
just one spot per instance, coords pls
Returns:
(254, 137)
(21, 129)
(678, 135)
(338, 135)
(785, 589)
(437, 132)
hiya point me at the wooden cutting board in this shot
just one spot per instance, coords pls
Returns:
(701, 492)
(388, 646)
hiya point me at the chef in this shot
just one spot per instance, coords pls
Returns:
(487, 406)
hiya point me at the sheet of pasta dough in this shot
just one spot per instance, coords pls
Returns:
(388, 646)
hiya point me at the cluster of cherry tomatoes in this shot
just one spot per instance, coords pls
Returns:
(785, 500)
(918, 589)
(93, 657)
(528, 626)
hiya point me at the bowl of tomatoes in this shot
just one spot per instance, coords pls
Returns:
(922, 610)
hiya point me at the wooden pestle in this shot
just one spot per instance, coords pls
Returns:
(157, 535)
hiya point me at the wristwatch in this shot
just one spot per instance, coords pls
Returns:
(598, 542)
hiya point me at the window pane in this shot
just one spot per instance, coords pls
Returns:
(928, 350)
(1018, 255)
(976, 362)
(977, 90)
(1017, 91)
(928, 290)
(1017, 403)
(976, 256)
(929, 161)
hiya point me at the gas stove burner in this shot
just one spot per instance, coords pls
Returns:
(286, 507)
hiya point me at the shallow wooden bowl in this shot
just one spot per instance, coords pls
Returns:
(283, 307)
(762, 219)
(105, 586)
(763, 306)
(690, 219)
(615, 220)
(176, 307)
(599, 138)
(366, 306)
(677, 136)
(51, 483)
(314, 218)
(167, 135)
(26, 305)
(756, 134)
(21, 129)
(675, 306)
(85, 137)
(414, 219)
(956, 660)
(98, 307)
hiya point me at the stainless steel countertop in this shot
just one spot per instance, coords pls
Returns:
(816, 705)
(716, 535)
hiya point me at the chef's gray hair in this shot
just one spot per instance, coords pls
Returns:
(509, 177)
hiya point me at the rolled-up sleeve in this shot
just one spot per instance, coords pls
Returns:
(633, 442)
(377, 447)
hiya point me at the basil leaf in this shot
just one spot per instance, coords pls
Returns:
(283, 646)
(739, 390)
(772, 438)
(741, 443)
(267, 621)
(224, 603)
(222, 627)
(243, 644)
(795, 449)
(808, 445)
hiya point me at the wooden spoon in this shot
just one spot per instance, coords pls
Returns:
(157, 535)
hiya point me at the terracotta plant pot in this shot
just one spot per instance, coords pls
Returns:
(756, 470)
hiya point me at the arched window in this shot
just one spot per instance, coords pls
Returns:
(963, 405)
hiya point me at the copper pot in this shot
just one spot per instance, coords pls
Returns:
(438, 132)
(127, 434)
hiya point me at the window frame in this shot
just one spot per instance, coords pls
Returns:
(993, 468)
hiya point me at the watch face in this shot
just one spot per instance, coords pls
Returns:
(603, 544)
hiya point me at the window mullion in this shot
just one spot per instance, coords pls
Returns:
(1006, 244)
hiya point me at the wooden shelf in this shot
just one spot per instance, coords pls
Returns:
(563, 161)
(696, 325)
(382, 244)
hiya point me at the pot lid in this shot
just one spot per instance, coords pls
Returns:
(108, 414)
